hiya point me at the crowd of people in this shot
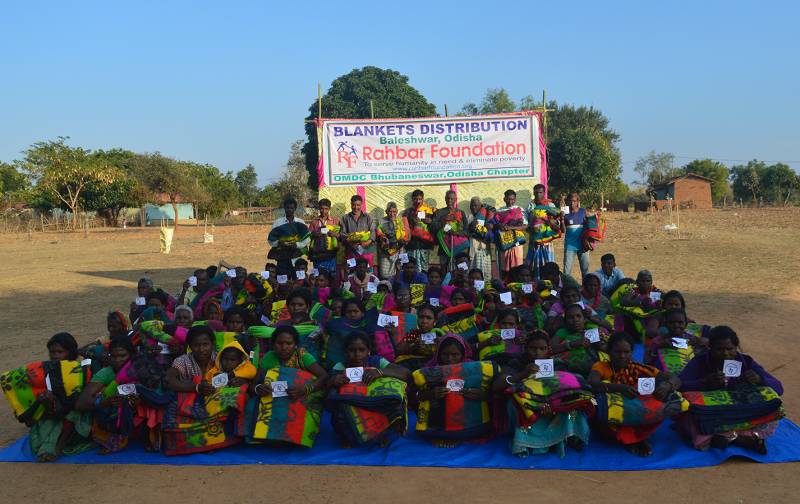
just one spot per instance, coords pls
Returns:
(353, 317)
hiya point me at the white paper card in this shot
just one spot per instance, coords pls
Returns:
(384, 320)
(434, 301)
(47, 383)
(647, 386)
(447, 227)
(252, 355)
(193, 281)
(126, 389)
(282, 279)
(479, 284)
(593, 335)
(655, 296)
(219, 380)
(581, 304)
(266, 320)
(455, 385)
(301, 275)
(164, 348)
(565, 210)
(279, 389)
(351, 262)
(420, 215)
(553, 292)
(140, 301)
(506, 298)
(403, 258)
(527, 288)
(323, 230)
(463, 266)
(428, 338)
(354, 374)
(508, 334)
(546, 368)
(680, 342)
(481, 222)
(360, 250)
(265, 274)
(314, 272)
(732, 368)
(86, 362)
(231, 273)
(372, 287)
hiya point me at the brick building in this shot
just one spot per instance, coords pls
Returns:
(687, 191)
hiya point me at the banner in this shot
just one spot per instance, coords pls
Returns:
(431, 150)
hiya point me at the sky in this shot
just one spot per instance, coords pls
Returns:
(230, 83)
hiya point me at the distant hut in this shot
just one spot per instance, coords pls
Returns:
(686, 191)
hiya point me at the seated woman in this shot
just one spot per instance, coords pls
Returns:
(416, 347)
(624, 411)
(460, 318)
(454, 394)
(167, 340)
(550, 412)
(673, 349)
(592, 296)
(236, 319)
(571, 344)
(43, 394)
(571, 295)
(435, 290)
(366, 406)
(504, 343)
(288, 389)
(203, 417)
(636, 305)
(699, 332)
(743, 410)
(118, 410)
(355, 318)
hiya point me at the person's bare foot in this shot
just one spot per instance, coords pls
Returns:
(640, 449)
(755, 444)
(46, 457)
(444, 443)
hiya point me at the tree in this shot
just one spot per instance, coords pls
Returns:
(216, 192)
(65, 172)
(779, 183)
(714, 170)
(247, 184)
(349, 97)
(584, 162)
(495, 101)
(162, 176)
(746, 180)
(125, 191)
(13, 184)
(655, 168)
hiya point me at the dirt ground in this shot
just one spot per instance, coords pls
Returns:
(737, 267)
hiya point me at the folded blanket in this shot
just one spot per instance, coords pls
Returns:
(21, 386)
(563, 392)
(616, 409)
(673, 359)
(739, 409)
(283, 420)
(455, 417)
(542, 232)
(459, 320)
(361, 413)
(504, 347)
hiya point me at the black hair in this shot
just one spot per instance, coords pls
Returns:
(427, 306)
(617, 337)
(607, 257)
(236, 310)
(66, 341)
(568, 307)
(324, 202)
(722, 332)
(355, 301)
(289, 201)
(435, 268)
(355, 198)
(550, 268)
(674, 294)
(124, 343)
(230, 350)
(362, 260)
(467, 295)
(286, 329)
(473, 270)
(300, 262)
(303, 294)
(417, 192)
(212, 271)
(413, 260)
(538, 334)
(160, 295)
(358, 335)
(590, 276)
(506, 312)
(675, 311)
(451, 341)
(197, 331)
(510, 192)
(461, 255)
(539, 185)
(570, 288)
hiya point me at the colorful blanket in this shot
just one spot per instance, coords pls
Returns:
(23, 385)
(288, 234)
(310, 339)
(459, 320)
(399, 232)
(455, 417)
(420, 229)
(406, 322)
(507, 240)
(480, 231)
(324, 245)
(283, 420)
(504, 347)
(194, 423)
(673, 359)
(594, 230)
(563, 392)
(579, 360)
(739, 409)
(417, 294)
(362, 413)
(339, 328)
(454, 241)
(616, 409)
(542, 231)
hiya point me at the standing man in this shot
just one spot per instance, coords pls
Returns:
(324, 238)
(450, 226)
(288, 238)
(575, 225)
(510, 223)
(358, 231)
(480, 236)
(545, 227)
(420, 217)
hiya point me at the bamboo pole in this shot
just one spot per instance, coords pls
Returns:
(372, 109)
(446, 113)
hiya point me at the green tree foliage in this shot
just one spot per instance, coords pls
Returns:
(756, 181)
(216, 193)
(655, 168)
(349, 97)
(714, 170)
(583, 161)
(292, 181)
(247, 183)
(13, 184)
(495, 101)
(124, 191)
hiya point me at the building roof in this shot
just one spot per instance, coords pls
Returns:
(680, 177)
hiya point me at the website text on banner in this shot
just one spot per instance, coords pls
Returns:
(430, 150)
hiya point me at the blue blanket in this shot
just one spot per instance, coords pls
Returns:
(670, 452)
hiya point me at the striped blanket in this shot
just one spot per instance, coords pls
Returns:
(616, 409)
(673, 360)
(455, 417)
(362, 413)
(310, 339)
(282, 420)
(459, 320)
(23, 385)
(563, 392)
(504, 347)
(742, 408)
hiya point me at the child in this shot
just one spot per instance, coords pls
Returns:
(570, 342)
(493, 347)
(412, 350)
(358, 281)
(233, 361)
(609, 274)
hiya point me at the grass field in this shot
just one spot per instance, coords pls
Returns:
(737, 267)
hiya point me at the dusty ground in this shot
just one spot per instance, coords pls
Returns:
(737, 267)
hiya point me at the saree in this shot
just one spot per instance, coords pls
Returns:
(506, 240)
(282, 420)
(459, 320)
(455, 417)
(194, 423)
(742, 408)
(362, 413)
(579, 360)
(23, 385)
(289, 233)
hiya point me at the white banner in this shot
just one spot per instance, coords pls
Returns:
(357, 152)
